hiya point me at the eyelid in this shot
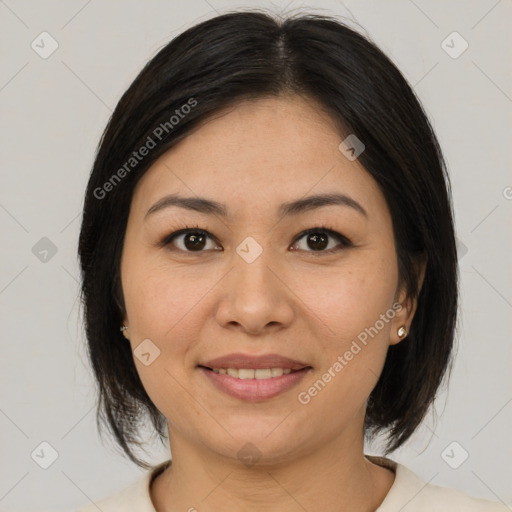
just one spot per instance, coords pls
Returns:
(344, 242)
(167, 240)
(324, 229)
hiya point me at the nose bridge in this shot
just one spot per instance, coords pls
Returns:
(254, 295)
(253, 274)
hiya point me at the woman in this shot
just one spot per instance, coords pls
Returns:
(270, 271)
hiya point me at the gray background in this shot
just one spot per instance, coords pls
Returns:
(53, 111)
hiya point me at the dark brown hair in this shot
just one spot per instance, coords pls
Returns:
(245, 55)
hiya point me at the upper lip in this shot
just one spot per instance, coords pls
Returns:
(248, 361)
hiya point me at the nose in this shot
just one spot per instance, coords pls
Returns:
(254, 297)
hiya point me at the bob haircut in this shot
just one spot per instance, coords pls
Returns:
(247, 55)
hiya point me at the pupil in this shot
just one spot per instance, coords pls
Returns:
(316, 243)
(194, 238)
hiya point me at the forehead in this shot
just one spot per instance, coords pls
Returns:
(258, 154)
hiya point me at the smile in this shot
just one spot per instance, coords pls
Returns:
(256, 373)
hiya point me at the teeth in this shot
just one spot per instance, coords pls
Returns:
(248, 373)
(232, 372)
(262, 373)
(245, 373)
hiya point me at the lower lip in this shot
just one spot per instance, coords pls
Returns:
(254, 389)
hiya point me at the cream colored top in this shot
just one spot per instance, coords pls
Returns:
(407, 494)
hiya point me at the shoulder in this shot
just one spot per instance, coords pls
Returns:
(409, 493)
(134, 497)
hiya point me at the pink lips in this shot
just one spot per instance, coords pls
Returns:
(254, 389)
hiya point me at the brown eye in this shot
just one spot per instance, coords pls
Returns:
(320, 240)
(190, 240)
(194, 241)
(317, 240)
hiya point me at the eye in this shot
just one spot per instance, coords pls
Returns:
(194, 239)
(318, 240)
(190, 239)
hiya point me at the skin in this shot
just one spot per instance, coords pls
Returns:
(301, 303)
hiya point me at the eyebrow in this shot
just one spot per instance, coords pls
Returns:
(210, 207)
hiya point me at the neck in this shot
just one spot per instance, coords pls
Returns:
(333, 476)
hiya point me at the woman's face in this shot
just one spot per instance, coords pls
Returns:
(256, 285)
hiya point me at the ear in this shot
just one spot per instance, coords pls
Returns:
(125, 331)
(406, 305)
(124, 327)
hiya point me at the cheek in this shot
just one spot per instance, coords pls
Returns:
(162, 306)
(350, 300)
(355, 305)
(160, 300)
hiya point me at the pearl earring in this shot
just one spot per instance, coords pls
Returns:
(123, 328)
(402, 331)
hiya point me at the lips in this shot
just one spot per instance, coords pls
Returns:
(254, 390)
(240, 360)
(254, 378)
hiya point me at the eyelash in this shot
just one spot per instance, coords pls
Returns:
(343, 240)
